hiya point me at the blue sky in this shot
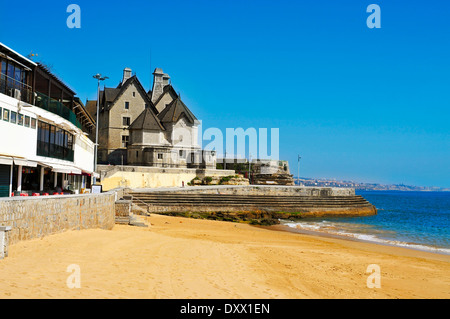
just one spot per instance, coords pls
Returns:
(369, 105)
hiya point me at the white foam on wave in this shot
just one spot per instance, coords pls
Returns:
(336, 229)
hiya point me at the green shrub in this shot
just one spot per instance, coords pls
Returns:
(207, 179)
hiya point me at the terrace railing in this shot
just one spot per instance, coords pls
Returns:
(16, 89)
(56, 107)
(23, 92)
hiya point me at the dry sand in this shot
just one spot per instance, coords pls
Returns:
(187, 258)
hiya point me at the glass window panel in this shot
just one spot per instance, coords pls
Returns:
(6, 115)
(41, 131)
(24, 77)
(27, 121)
(3, 67)
(65, 139)
(52, 135)
(46, 130)
(17, 74)
(13, 117)
(1, 113)
(20, 119)
(70, 141)
(33, 123)
(10, 70)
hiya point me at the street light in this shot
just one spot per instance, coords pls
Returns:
(99, 78)
(298, 170)
(249, 169)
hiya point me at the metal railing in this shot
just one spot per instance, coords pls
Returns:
(15, 89)
(23, 92)
(56, 107)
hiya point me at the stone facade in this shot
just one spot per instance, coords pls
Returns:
(123, 210)
(36, 217)
(153, 128)
(114, 122)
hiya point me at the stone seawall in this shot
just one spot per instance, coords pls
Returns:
(35, 217)
(247, 203)
(263, 190)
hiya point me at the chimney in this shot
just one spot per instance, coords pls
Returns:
(160, 79)
(166, 78)
(126, 74)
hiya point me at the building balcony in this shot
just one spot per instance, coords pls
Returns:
(56, 107)
(23, 92)
(16, 89)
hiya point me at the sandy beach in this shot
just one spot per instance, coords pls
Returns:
(188, 258)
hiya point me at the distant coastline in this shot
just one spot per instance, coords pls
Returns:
(323, 182)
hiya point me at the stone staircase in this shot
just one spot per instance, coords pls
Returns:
(165, 202)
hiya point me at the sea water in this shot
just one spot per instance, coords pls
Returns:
(418, 220)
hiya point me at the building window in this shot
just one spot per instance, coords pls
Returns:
(54, 142)
(13, 117)
(181, 153)
(1, 113)
(134, 94)
(160, 156)
(125, 140)
(27, 121)
(20, 119)
(127, 105)
(126, 120)
(6, 115)
(33, 123)
(137, 154)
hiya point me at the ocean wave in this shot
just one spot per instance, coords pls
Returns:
(351, 231)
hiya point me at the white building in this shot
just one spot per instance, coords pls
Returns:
(44, 147)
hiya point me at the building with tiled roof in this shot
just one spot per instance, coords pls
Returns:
(147, 128)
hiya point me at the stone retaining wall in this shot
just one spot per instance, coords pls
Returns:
(276, 190)
(35, 217)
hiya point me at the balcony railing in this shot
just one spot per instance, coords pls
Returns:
(16, 89)
(23, 92)
(56, 107)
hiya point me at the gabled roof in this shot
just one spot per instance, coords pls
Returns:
(91, 107)
(111, 95)
(174, 111)
(147, 120)
(167, 88)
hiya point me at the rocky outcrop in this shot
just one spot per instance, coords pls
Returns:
(273, 179)
(220, 180)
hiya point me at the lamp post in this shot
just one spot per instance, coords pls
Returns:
(99, 78)
(298, 170)
(249, 169)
